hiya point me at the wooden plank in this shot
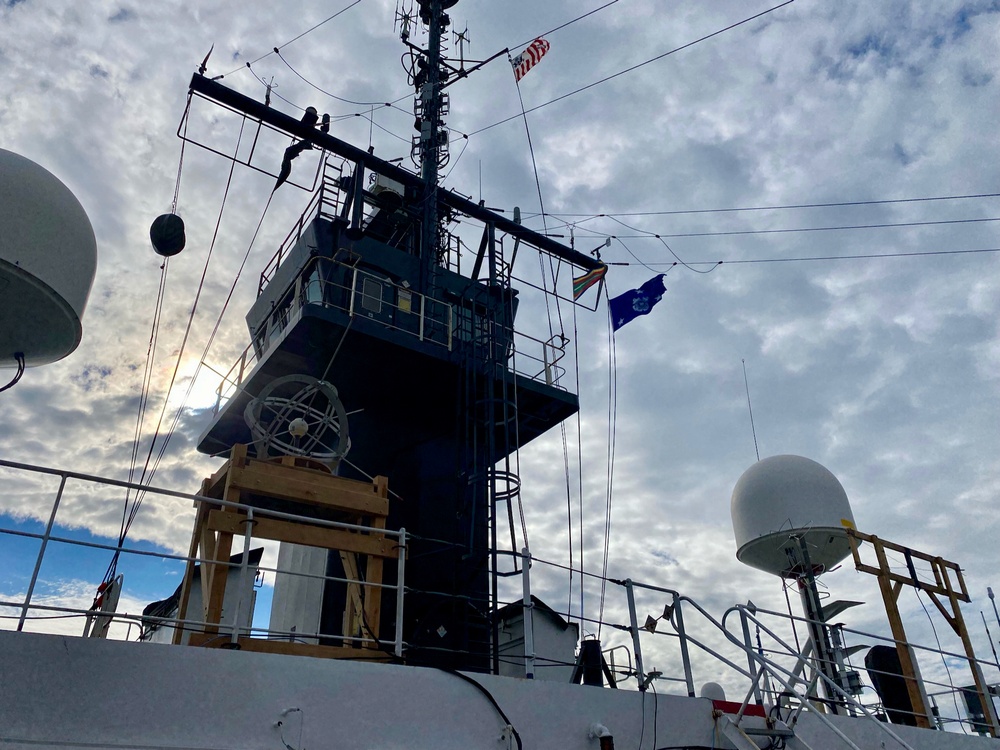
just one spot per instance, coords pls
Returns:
(207, 553)
(299, 533)
(294, 472)
(185, 595)
(213, 596)
(261, 645)
(314, 490)
(913, 688)
(351, 624)
(373, 594)
(215, 485)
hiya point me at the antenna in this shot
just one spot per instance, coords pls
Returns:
(462, 38)
(752, 428)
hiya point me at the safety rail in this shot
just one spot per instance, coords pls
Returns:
(69, 607)
(396, 308)
(765, 667)
(326, 203)
(797, 666)
(776, 671)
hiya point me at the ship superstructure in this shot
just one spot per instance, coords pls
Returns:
(374, 295)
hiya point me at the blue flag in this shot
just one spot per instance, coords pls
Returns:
(626, 307)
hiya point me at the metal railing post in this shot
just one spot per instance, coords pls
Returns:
(247, 533)
(751, 662)
(354, 291)
(529, 630)
(685, 654)
(634, 630)
(423, 315)
(41, 553)
(400, 590)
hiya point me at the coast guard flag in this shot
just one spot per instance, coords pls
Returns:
(529, 58)
(626, 307)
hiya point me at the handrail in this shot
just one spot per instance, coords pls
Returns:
(774, 668)
(543, 368)
(238, 628)
(776, 659)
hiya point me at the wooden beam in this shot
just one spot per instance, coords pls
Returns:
(309, 536)
(903, 650)
(291, 648)
(305, 486)
(351, 624)
(185, 595)
(214, 596)
(373, 594)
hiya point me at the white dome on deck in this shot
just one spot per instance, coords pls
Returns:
(48, 257)
(781, 499)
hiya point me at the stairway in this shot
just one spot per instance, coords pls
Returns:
(776, 735)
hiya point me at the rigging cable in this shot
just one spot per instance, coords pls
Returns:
(569, 499)
(180, 410)
(295, 39)
(147, 376)
(548, 316)
(635, 67)
(803, 259)
(733, 233)
(839, 204)
(211, 340)
(194, 309)
(562, 26)
(944, 661)
(305, 80)
(144, 392)
(677, 259)
(610, 461)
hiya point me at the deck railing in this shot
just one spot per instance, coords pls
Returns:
(411, 314)
(25, 609)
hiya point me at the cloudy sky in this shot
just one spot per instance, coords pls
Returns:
(823, 122)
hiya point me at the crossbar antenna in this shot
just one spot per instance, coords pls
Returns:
(461, 39)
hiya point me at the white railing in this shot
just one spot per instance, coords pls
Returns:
(424, 318)
(27, 609)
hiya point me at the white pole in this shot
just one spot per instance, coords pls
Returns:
(529, 630)
(400, 590)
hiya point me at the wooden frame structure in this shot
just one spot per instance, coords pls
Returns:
(948, 586)
(298, 486)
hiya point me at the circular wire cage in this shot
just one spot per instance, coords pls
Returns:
(298, 415)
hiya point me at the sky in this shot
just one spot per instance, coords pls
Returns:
(868, 329)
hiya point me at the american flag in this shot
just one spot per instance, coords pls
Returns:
(529, 58)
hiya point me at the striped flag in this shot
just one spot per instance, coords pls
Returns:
(529, 58)
(583, 283)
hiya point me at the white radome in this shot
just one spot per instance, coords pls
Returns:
(48, 258)
(298, 427)
(783, 499)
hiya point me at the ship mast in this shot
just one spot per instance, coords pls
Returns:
(422, 356)
(432, 130)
